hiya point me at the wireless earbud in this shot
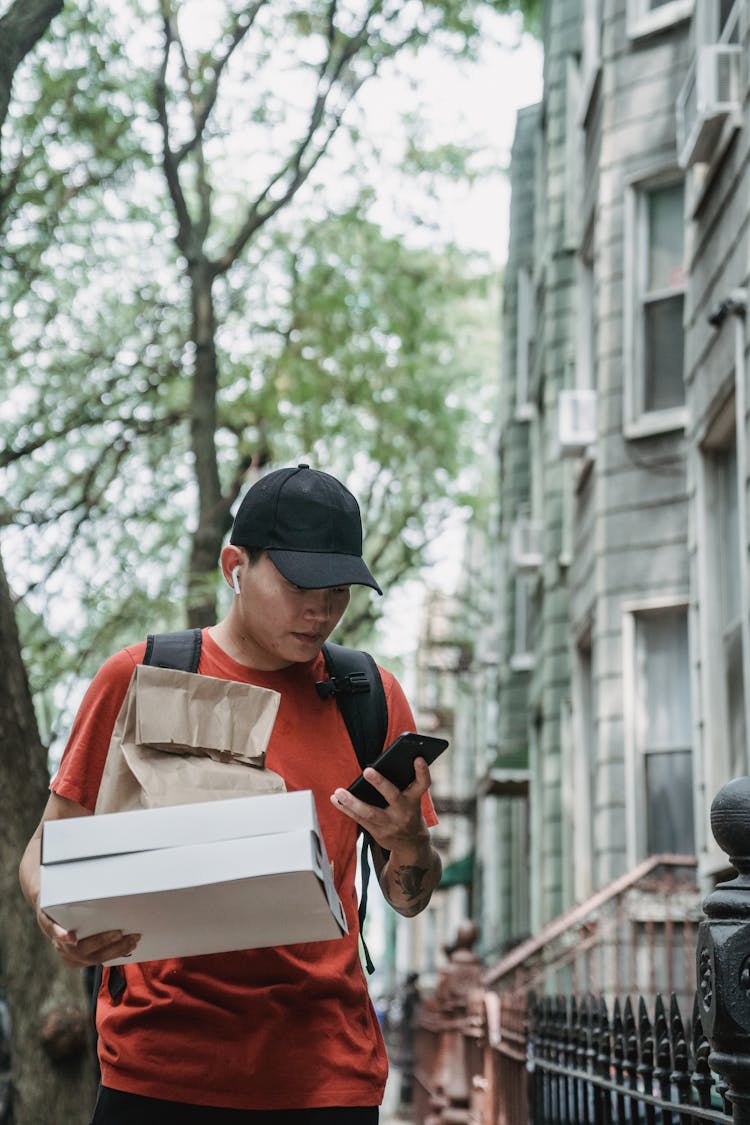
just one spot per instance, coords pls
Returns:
(236, 581)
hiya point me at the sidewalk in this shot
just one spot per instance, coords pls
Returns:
(391, 1113)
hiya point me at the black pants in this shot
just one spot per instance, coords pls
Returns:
(116, 1108)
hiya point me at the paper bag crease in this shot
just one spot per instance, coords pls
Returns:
(181, 737)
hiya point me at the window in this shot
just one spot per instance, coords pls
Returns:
(648, 16)
(522, 659)
(573, 154)
(662, 294)
(591, 59)
(661, 735)
(583, 775)
(501, 897)
(723, 600)
(729, 21)
(586, 320)
(524, 343)
(654, 340)
(540, 187)
(730, 567)
(717, 21)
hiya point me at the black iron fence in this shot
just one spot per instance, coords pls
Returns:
(590, 1066)
(489, 1051)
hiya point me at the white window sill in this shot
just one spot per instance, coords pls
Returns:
(658, 422)
(642, 24)
(522, 662)
(525, 412)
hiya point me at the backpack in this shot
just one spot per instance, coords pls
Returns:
(353, 681)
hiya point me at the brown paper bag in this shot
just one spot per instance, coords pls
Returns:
(180, 737)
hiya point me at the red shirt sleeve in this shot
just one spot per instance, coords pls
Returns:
(80, 771)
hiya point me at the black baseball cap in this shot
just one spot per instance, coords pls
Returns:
(310, 526)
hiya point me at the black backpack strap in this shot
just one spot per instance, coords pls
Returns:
(358, 689)
(181, 650)
(355, 683)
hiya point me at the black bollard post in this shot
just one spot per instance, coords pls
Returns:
(723, 953)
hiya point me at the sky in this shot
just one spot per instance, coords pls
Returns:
(478, 101)
(469, 102)
(474, 101)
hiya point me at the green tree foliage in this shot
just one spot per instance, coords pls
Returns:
(190, 276)
(193, 279)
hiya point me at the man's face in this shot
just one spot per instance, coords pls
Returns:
(280, 623)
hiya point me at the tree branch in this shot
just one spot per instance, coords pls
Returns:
(185, 226)
(189, 232)
(201, 114)
(256, 218)
(329, 78)
(21, 28)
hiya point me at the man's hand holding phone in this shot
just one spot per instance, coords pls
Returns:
(386, 801)
(396, 764)
(386, 798)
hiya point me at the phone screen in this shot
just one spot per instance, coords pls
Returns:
(397, 764)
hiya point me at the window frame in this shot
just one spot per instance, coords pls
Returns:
(581, 776)
(716, 757)
(524, 407)
(591, 55)
(707, 31)
(639, 422)
(643, 21)
(586, 329)
(635, 756)
(573, 155)
(522, 657)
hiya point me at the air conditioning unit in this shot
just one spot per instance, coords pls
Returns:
(710, 96)
(576, 421)
(526, 544)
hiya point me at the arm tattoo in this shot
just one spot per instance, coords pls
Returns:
(415, 908)
(409, 880)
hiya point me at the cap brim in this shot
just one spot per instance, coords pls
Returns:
(313, 570)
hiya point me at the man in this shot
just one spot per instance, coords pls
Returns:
(285, 1035)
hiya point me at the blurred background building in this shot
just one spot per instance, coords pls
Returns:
(593, 670)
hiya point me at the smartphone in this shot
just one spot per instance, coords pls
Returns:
(397, 764)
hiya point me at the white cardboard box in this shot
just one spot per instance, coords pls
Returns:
(193, 879)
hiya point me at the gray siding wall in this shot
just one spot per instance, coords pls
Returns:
(719, 262)
(532, 701)
(515, 484)
(499, 894)
(633, 535)
(640, 486)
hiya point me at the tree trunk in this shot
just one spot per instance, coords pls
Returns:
(213, 507)
(52, 1056)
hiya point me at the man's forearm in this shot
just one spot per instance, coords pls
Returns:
(409, 876)
(28, 870)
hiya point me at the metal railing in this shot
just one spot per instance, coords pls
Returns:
(506, 1045)
(635, 935)
(591, 1067)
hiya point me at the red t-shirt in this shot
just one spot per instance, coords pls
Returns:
(278, 1028)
